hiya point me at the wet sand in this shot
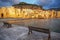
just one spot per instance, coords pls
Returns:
(19, 31)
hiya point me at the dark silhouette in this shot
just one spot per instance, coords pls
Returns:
(2, 15)
(31, 28)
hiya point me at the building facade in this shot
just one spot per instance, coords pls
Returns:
(27, 11)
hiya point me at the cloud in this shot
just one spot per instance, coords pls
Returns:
(8, 2)
(11, 1)
(55, 4)
(4, 0)
(49, 3)
(44, 2)
(15, 1)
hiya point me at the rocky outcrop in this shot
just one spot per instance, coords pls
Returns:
(27, 11)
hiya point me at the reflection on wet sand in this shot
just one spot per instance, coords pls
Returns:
(52, 24)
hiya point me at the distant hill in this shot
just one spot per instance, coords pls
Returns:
(23, 3)
(57, 9)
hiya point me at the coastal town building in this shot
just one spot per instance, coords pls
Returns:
(27, 11)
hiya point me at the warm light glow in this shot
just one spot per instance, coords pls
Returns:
(27, 13)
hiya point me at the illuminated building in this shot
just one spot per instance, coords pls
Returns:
(27, 11)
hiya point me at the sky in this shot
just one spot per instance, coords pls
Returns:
(45, 3)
